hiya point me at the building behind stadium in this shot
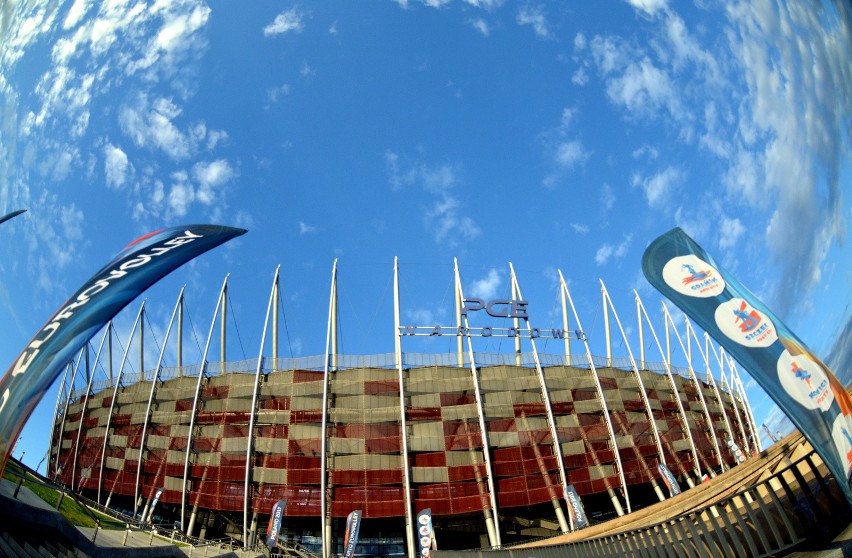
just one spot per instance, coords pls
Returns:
(211, 447)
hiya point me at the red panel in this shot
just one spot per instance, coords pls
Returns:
(438, 459)
(308, 416)
(300, 376)
(451, 399)
(530, 409)
(423, 413)
(384, 445)
(183, 405)
(381, 386)
(276, 403)
(215, 392)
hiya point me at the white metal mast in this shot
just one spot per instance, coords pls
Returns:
(613, 496)
(326, 521)
(403, 428)
(202, 371)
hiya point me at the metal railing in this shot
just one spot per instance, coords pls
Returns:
(790, 507)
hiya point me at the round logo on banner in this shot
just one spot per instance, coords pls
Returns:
(424, 552)
(424, 530)
(841, 433)
(426, 541)
(745, 324)
(424, 519)
(805, 381)
(691, 276)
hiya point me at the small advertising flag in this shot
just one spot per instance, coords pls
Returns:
(575, 508)
(669, 479)
(425, 533)
(274, 527)
(154, 504)
(796, 379)
(350, 539)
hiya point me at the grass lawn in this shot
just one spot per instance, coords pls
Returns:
(72, 511)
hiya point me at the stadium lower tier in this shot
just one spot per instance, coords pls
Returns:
(197, 438)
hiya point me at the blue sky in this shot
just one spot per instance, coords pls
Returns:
(553, 135)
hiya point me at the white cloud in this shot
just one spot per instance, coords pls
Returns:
(607, 251)
(794, 120)
(570, 154)
(209, 177)
(607, 197)
(442, 215)
(580, 228)
(181, 195)
(304, 228)
(115, 166)
(580, 77)
(487, 287)
(485, 4)
(421, 316)
(644, 88)
(658, 188)
(481, 25)
(285, 22)
(151, 126)
(650, 7)
(730, 231)
(534, 17)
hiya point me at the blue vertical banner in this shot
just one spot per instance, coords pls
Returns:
(141, 264)
(425, 533)
(575, 508)
(669, 479)
(796, 379)
(350, 538)
(275, 520)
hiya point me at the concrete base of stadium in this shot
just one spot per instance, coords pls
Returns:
(29, 526)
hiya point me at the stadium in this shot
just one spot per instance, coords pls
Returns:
(495, 445)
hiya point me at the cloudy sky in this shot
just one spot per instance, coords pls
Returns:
(556, 136)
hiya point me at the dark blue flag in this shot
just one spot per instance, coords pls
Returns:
(796, 379)
(137, 267)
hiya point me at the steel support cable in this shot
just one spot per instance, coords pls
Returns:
(194, 333)
(234, 319)
(286, 327)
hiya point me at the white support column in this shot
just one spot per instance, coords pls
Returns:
(650, 413)
(86, 399)
(565, 328)
(641, 331)
(486, 446)
(698, 387)
(202, 371)
(67, 404)
(545, 395)
(154, 381)
(685, 422)
(730, 389)
(613, 496)
(720, 359)
(690, 335)
(115, 395)
(326, 521)
(56, 429)
(403, 427)
(246, 495)
(746, 406)
(607, 335)
(707, 348)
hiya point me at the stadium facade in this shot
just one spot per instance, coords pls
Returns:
(495, 445)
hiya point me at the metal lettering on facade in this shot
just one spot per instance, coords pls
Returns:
(499, 308)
